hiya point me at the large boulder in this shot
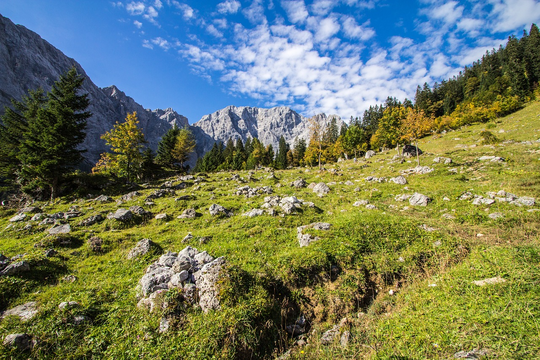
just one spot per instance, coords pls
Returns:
(60, 229)
(369, 154)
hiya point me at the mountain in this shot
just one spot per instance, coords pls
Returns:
(28, 62)
(268, 125)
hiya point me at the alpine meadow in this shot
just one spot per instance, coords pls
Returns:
(382, 219)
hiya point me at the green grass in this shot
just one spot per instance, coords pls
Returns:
(270, 280)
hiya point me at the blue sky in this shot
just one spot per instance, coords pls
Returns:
(337, 57)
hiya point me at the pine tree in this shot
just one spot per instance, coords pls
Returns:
(13, 126)
(300, 147)
(49, 148)
(281, 157)
(126, 140)
(166, 146)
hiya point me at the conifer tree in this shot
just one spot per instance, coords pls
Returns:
(49, 148)
(13, 126)
(281, 157)
(166, 146)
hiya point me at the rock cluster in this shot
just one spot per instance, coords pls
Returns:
(288, 205)
(249, 192)
(196, 273)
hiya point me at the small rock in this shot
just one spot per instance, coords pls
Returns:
(25, 311)
(361, 203)
(207, 280)
(321, 189)
(400, 180)
(142, 248)
(344, 341)
(104, 198)
(496, 215)
(60, 229)
(138, 210)
(121, 215)
(163, 217)
(448, 216)
(369, 154)
(188, 214)
(253, 213)
(18, 217)
(15, 268)
(81, 319)
(70, 278)
(92, 220)
(164, 325)
(329, 336)
(50, 253)
(371, 207)
(187, 238)
(95, 244)
(471, 355)
(67, 305)
(21, 342)
(300, 183)
(216, 209)
(419, 200)
(490, 281)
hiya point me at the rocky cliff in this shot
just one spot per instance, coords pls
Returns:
(28, 62)
(268, 125)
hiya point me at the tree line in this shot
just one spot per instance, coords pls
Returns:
(41, 138)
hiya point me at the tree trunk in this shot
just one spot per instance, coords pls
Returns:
(417, 155)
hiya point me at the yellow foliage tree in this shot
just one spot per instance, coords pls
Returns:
(126, 141)
(316, 142)
(185, 144)
(416, 125)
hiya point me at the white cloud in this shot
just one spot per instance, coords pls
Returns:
(355, 31)
(213, 31)
(187, 11)
(513, 14)
(221, 23)
(322, 7)
(138, 24)
(162, 43)
(255, 12)
(326, 28)
(135, 8)
(296, 10)
(151, 14)
(147, 44)
(158, 4)
(228, 7)
(117, 4)
(449, 12)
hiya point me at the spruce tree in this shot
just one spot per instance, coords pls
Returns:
(49, 148)
(281, 157)
(164, 155)
(13, 126)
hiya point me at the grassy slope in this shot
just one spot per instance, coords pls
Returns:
(347, 273)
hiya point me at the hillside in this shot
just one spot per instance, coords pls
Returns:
(388, 277)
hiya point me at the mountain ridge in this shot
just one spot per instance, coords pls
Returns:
(27, 61)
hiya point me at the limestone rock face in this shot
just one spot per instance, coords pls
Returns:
(268, 125)
(28, 62)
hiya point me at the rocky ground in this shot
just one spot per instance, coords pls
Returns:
(377, 257)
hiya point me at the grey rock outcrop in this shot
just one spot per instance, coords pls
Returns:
(15, 268)
(268, 125)
(28, 62)
(306, 239)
